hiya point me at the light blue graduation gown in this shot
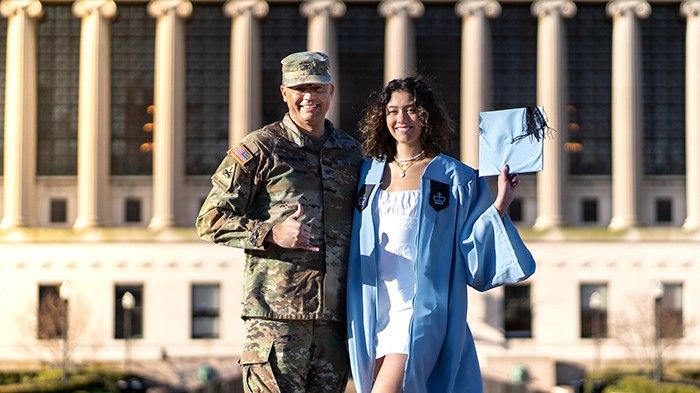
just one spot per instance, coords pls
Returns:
(461, 241)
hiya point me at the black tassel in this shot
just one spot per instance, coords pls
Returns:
(534, 125)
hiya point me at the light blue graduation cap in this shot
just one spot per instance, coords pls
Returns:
(513, 137)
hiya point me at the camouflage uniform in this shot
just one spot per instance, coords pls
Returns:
(309, 356)
(258, 185)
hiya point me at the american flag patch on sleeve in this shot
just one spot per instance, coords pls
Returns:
(241, 154)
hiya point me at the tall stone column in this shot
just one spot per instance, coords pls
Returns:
(626, 109)
(691, 9)
(20, 112)
(476, 75)
(400, 37)
(169, 117)
(322, 37)
(94, 112)
(552, 89)
(245, 91)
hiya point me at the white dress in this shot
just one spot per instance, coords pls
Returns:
(397, 228)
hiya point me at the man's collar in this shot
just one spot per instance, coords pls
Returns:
(300, 138)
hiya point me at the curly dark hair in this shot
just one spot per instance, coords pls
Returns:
(434, 118)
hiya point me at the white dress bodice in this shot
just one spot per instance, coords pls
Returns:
(397, 222)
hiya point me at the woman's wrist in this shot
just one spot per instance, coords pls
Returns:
(500, 210)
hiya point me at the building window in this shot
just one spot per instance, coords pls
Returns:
(517, 311)
(283, 32)
(58, 58)
(58, 210)
(589, 210)
(664, 210)
(514, 57)
(205, 311)
(132, 210)
(671, 311)
(594, 310)
(51, 318)
(133, 54)
(590, 68)
(361, 56)
(439, 31)
(515, 210)
(663, 68)
(207, 88)
(128, 322)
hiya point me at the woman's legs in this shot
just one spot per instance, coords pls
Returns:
(389, 372)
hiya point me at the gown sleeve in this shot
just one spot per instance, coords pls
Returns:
(491, 247)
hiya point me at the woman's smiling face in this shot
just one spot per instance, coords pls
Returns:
(402, 119)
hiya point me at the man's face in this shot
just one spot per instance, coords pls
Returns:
(308, 104)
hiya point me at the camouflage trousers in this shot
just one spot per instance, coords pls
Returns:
(294, 356)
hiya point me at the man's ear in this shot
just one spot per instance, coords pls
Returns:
(282, 92)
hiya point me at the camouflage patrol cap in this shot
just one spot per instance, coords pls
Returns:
(305, 67)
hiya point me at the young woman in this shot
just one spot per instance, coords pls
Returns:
(425, 227)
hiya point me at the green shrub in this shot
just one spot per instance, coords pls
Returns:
(9, 377)
(49, 374)
(49, 381)
(6, 378)
(611, 375)
(689, 373)
(639, 384)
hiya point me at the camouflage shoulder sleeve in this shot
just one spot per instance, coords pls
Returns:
(222, 218)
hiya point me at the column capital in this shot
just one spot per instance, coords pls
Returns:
(31, 8)
(233, 8)
(690, 8)
(489, 8)
(565, 8)
(335, 8)
(640, 8)
(412, 8)
(105, 8)
(182, 8)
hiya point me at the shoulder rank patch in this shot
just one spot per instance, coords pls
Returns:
(241, 154)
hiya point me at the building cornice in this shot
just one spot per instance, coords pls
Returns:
(189, 234)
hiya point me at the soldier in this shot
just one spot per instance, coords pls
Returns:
(283, 194)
